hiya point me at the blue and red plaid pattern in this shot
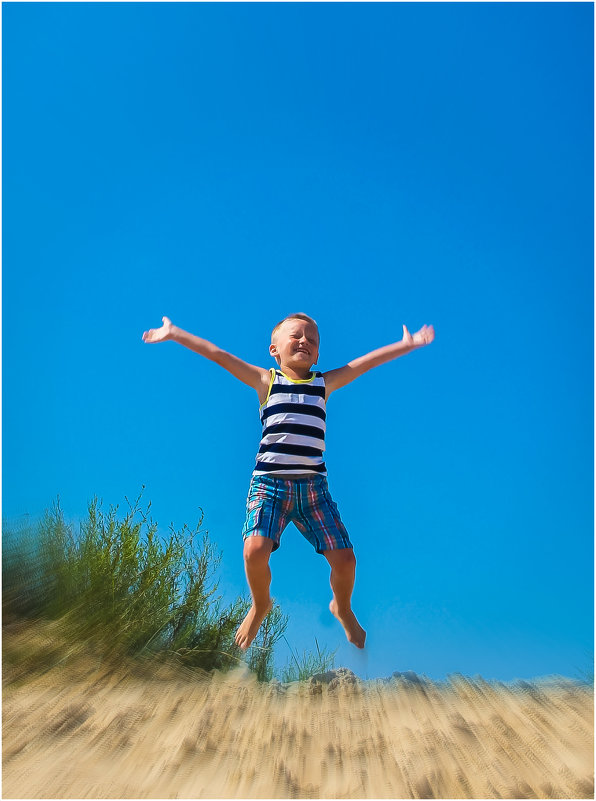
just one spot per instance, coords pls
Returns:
(274, 502)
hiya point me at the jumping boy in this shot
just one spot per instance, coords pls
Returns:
(289, 481)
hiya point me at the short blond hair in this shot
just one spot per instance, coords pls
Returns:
(298, 316)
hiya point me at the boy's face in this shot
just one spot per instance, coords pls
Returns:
(296, 344)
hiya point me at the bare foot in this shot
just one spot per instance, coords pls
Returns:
(247, 630)
(354, 631)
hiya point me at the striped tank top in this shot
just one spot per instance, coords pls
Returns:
(293, 418)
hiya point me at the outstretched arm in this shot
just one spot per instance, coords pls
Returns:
(335, 379)
(256, 377)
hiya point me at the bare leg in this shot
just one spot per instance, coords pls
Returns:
(343, 573)
(257, 551)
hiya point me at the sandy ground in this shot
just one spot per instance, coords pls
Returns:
(106, 734)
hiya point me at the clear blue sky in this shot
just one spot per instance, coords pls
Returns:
(370, 165)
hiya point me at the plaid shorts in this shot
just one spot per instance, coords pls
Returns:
(274, 502)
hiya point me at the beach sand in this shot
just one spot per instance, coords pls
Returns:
(93, 732)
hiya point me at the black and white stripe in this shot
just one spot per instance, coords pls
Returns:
(293, 418)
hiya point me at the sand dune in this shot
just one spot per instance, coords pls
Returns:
(106, 734)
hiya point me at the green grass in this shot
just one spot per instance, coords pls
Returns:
(118, 586)
(300, 668)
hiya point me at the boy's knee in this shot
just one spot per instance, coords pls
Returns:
(257, 549)
(342, 559)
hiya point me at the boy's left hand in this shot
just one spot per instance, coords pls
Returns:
(423, 337)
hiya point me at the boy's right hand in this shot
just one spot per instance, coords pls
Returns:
(159, 334)
(256, 377)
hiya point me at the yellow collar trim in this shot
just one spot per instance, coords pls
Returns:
(271, 380)
(299, 380)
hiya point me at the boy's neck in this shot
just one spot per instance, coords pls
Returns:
(297, 375)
